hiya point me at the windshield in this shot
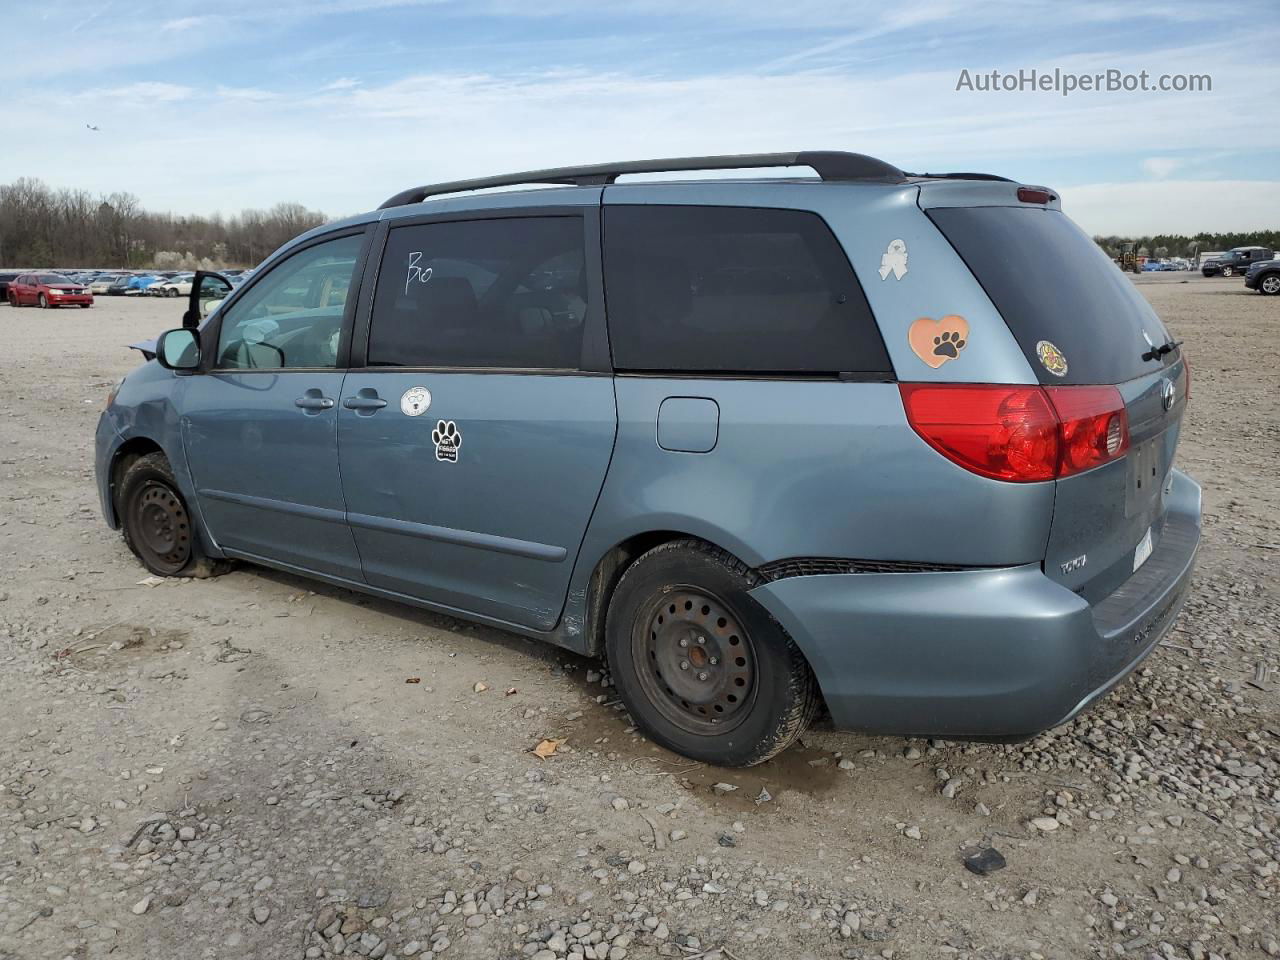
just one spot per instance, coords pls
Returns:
(1053, 284)
(51, 278)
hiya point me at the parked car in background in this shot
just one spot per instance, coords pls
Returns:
(47, 290)
(137, 286)
(102, 284)
(120, 286)
(1264, 276)
(974, 525)
(5, 279)
(1236, 260)
(179, 285)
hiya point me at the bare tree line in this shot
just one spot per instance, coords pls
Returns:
(45, 227)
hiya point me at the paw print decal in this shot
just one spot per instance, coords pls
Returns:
(948, 344)
(447, 438)
(938, 341)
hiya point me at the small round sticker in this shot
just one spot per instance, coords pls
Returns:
(1051, 358)
(415, 401)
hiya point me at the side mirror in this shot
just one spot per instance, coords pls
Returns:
(179, 349)
(207, 291)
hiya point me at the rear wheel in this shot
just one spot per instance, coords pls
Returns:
(701, 666)
(1270, 284)
(157, 525)
(85, 306)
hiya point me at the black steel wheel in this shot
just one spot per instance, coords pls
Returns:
(702, 667)
(695, 661)
(161, 526)
(157, 525)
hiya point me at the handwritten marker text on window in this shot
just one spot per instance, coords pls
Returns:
(415, 273)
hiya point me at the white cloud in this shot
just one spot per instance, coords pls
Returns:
(1161, 167)
(1174, 206)
(138, 93)
(342, 83)
(250, 94)
(182, 23)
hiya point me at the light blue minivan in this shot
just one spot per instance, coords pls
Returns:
(895, 447)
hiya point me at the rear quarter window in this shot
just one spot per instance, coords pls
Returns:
(1051, 282)
(727, 290)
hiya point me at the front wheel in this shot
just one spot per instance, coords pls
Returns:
(171, 292)
(85, 306)
(44, 303)
(157, 525)
(1270, 284)
(704, 669)
(1228, 271)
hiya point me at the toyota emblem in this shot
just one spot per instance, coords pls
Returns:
(1166, 393)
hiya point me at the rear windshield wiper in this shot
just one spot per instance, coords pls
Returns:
(1155, 353)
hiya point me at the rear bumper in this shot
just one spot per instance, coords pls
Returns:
(982, 653)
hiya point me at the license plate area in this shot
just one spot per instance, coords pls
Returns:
(1144, 477)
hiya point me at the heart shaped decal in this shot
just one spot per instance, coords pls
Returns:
(937, 341)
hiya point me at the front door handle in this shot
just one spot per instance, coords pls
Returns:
(313, 403)
(361, 402)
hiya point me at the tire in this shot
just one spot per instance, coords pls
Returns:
(1228, 271)
(157, 525)
(171, 292)
(683, 609)
(85, 306)
(1269, 285)
(44, 303)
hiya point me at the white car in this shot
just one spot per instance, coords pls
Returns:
(179, 286)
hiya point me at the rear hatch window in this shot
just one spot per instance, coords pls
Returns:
(1052, 284)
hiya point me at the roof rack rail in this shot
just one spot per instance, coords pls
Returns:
(829, 165)
(959, 176)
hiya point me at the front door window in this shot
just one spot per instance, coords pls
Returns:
(293, 316)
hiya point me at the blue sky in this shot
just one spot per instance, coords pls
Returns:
(339, 103)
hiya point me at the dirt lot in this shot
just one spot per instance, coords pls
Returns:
(238, 768)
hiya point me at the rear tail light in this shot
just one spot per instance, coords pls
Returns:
(1020, 434)
(1094, 426)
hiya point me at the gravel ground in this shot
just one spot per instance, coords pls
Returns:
(238, 768)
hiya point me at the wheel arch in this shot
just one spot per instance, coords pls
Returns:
(606, 573)
(128, 453)
(613, 563)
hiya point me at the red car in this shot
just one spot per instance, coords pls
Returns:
(47, 290)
